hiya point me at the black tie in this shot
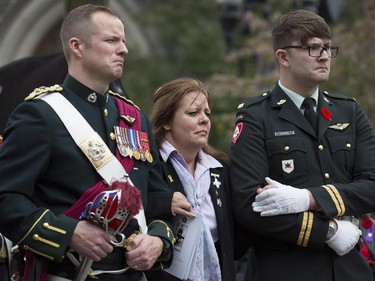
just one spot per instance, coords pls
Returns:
(310, 114)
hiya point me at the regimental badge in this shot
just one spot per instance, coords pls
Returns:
(96, 151)
(92, 97)
(339, 126)
(288, 165)
(281, 102)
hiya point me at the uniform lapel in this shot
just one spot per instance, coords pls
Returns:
(325, 115)
(171, 176)
(216, 190)
(289, 111)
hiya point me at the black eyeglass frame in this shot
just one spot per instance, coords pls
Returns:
(331, 51)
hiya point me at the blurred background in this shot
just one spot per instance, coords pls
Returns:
(224, 43)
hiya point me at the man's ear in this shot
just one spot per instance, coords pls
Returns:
(282, 57)
(75, 46)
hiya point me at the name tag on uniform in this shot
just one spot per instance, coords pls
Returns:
(285, 133)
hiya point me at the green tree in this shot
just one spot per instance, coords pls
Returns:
(191, 43)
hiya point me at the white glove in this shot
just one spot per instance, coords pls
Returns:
(284, 199)
(345, 238)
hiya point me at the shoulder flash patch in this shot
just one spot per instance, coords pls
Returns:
(123, 98)
(338, 96)
(44, 90)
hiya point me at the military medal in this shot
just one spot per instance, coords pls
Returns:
(136, 154)
(140, 148)
(127, 143)
(120, 140)
(215, 180)
(133, 144)
(149, 156)
(218, 202)
(146, 146)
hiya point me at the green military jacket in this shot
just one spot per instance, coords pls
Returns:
(43, 172)
(336, 164)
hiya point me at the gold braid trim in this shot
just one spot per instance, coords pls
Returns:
(123, 98)
(168, 230)
(35, 223)
(336, 198)
(306, 226)
(43, 90)
(27, 248)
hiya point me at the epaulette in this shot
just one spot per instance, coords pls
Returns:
(338, 96)
(254, 100)
(123, 98)
(43, 90)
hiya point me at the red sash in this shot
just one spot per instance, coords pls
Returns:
(124, 109)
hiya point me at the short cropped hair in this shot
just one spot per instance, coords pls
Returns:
(299, 25)
(78, 23)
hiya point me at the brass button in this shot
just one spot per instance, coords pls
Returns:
(326, 175)
(46, 225)
(264, 94)
(348, 145)
(286, 148)
(36, 237)
(105, 112)
(112, 136)
(321, 147)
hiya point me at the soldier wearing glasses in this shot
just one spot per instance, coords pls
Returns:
(300, 181)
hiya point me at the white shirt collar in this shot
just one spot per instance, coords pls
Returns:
(297, 98)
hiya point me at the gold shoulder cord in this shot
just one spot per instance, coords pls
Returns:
(43, 90)
(123, 98)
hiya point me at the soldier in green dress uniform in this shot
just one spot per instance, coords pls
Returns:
(44, 173)
(298, 185)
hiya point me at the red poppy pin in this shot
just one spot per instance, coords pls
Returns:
(367, 222)
(326, 114)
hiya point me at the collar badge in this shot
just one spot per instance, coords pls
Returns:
(92, 97)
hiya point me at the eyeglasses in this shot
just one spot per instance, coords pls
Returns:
(317, 51)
